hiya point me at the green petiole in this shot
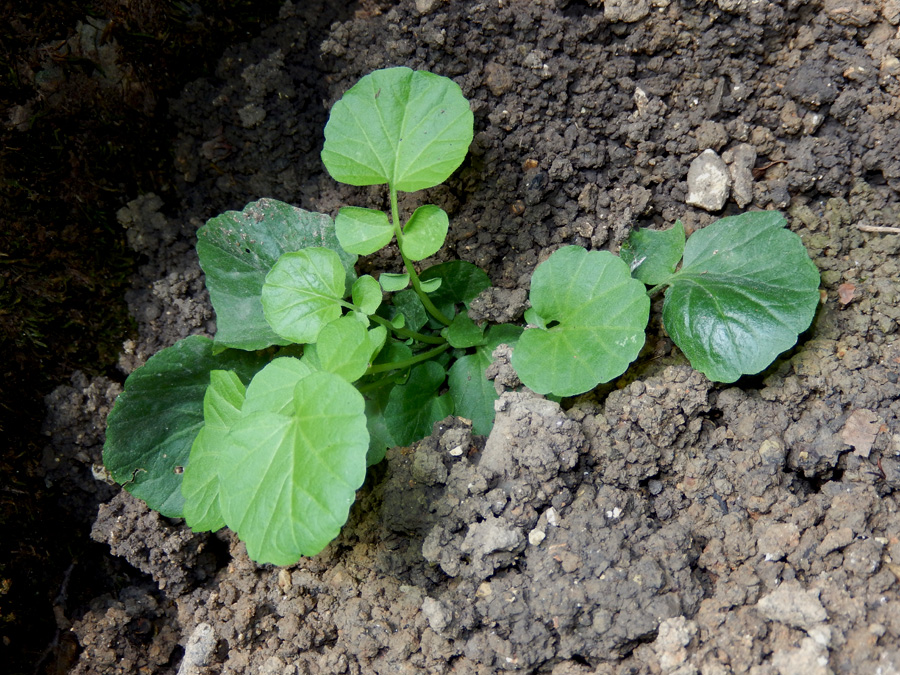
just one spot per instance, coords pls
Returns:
(406, 363)
(414, 278)
(406, 333)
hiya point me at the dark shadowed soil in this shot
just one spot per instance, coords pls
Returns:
(663, 524)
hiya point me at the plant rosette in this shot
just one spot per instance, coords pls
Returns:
(315, 371)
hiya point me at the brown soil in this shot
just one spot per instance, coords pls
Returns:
(663, 525)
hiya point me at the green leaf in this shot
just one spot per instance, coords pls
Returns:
(410, 306)
(303, 293)
(366, 294)
(272, 388)
(431, 285)
(154, 422)
(595, 314)
(363, 231)
(380, 438)
(745, 291)
(200, 481)
(288, 480)
(461, 282)
(653, 255)
(393, 282)
(345, 348)
(532, 318)
(409, 129)
(425, 232)
(472, 393)
(238, 248)
(463, 332)
(414, 407)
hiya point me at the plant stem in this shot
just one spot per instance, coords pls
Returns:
(414, 278)
(407, 363)
(406, 332)
(377, 384)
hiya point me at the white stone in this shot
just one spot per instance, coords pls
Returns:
(708, 182)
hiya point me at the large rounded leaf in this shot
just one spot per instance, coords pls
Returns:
(592, 317)
(746, 290)
(411, 129)
(287, 481)
(154, 422)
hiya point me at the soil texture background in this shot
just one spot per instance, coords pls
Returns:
(661, 524)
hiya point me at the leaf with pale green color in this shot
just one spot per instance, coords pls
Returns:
(415, 406)
(287, 481)
(303, 293)
(745, 291)
(393, 282)
(472, 393)
(653, 255)
(425, 232)
(345, 348)
(533, 319)
(595, 314)
(366, 294)
(156, 418)
(363, 231)
(461, 282)
(200, 481)
(272, 388)
(411, 129)
(463, 332)
(238, 248)
(431, 285)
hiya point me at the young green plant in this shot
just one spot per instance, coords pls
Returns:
(314, 371)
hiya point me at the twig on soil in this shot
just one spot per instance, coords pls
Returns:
(879, 228)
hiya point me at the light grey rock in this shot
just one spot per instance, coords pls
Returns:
(793, 605)
(740, 161)
(628, 11)
(199, 650)
(438, 614)
(708, 182)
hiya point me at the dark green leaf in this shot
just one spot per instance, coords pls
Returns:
(461, 282)
(745, 291)
(154, 422)
(410, 306)
(380, 438)
(653, 255)
(463, 332)
(414, 407)
(472, 393)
